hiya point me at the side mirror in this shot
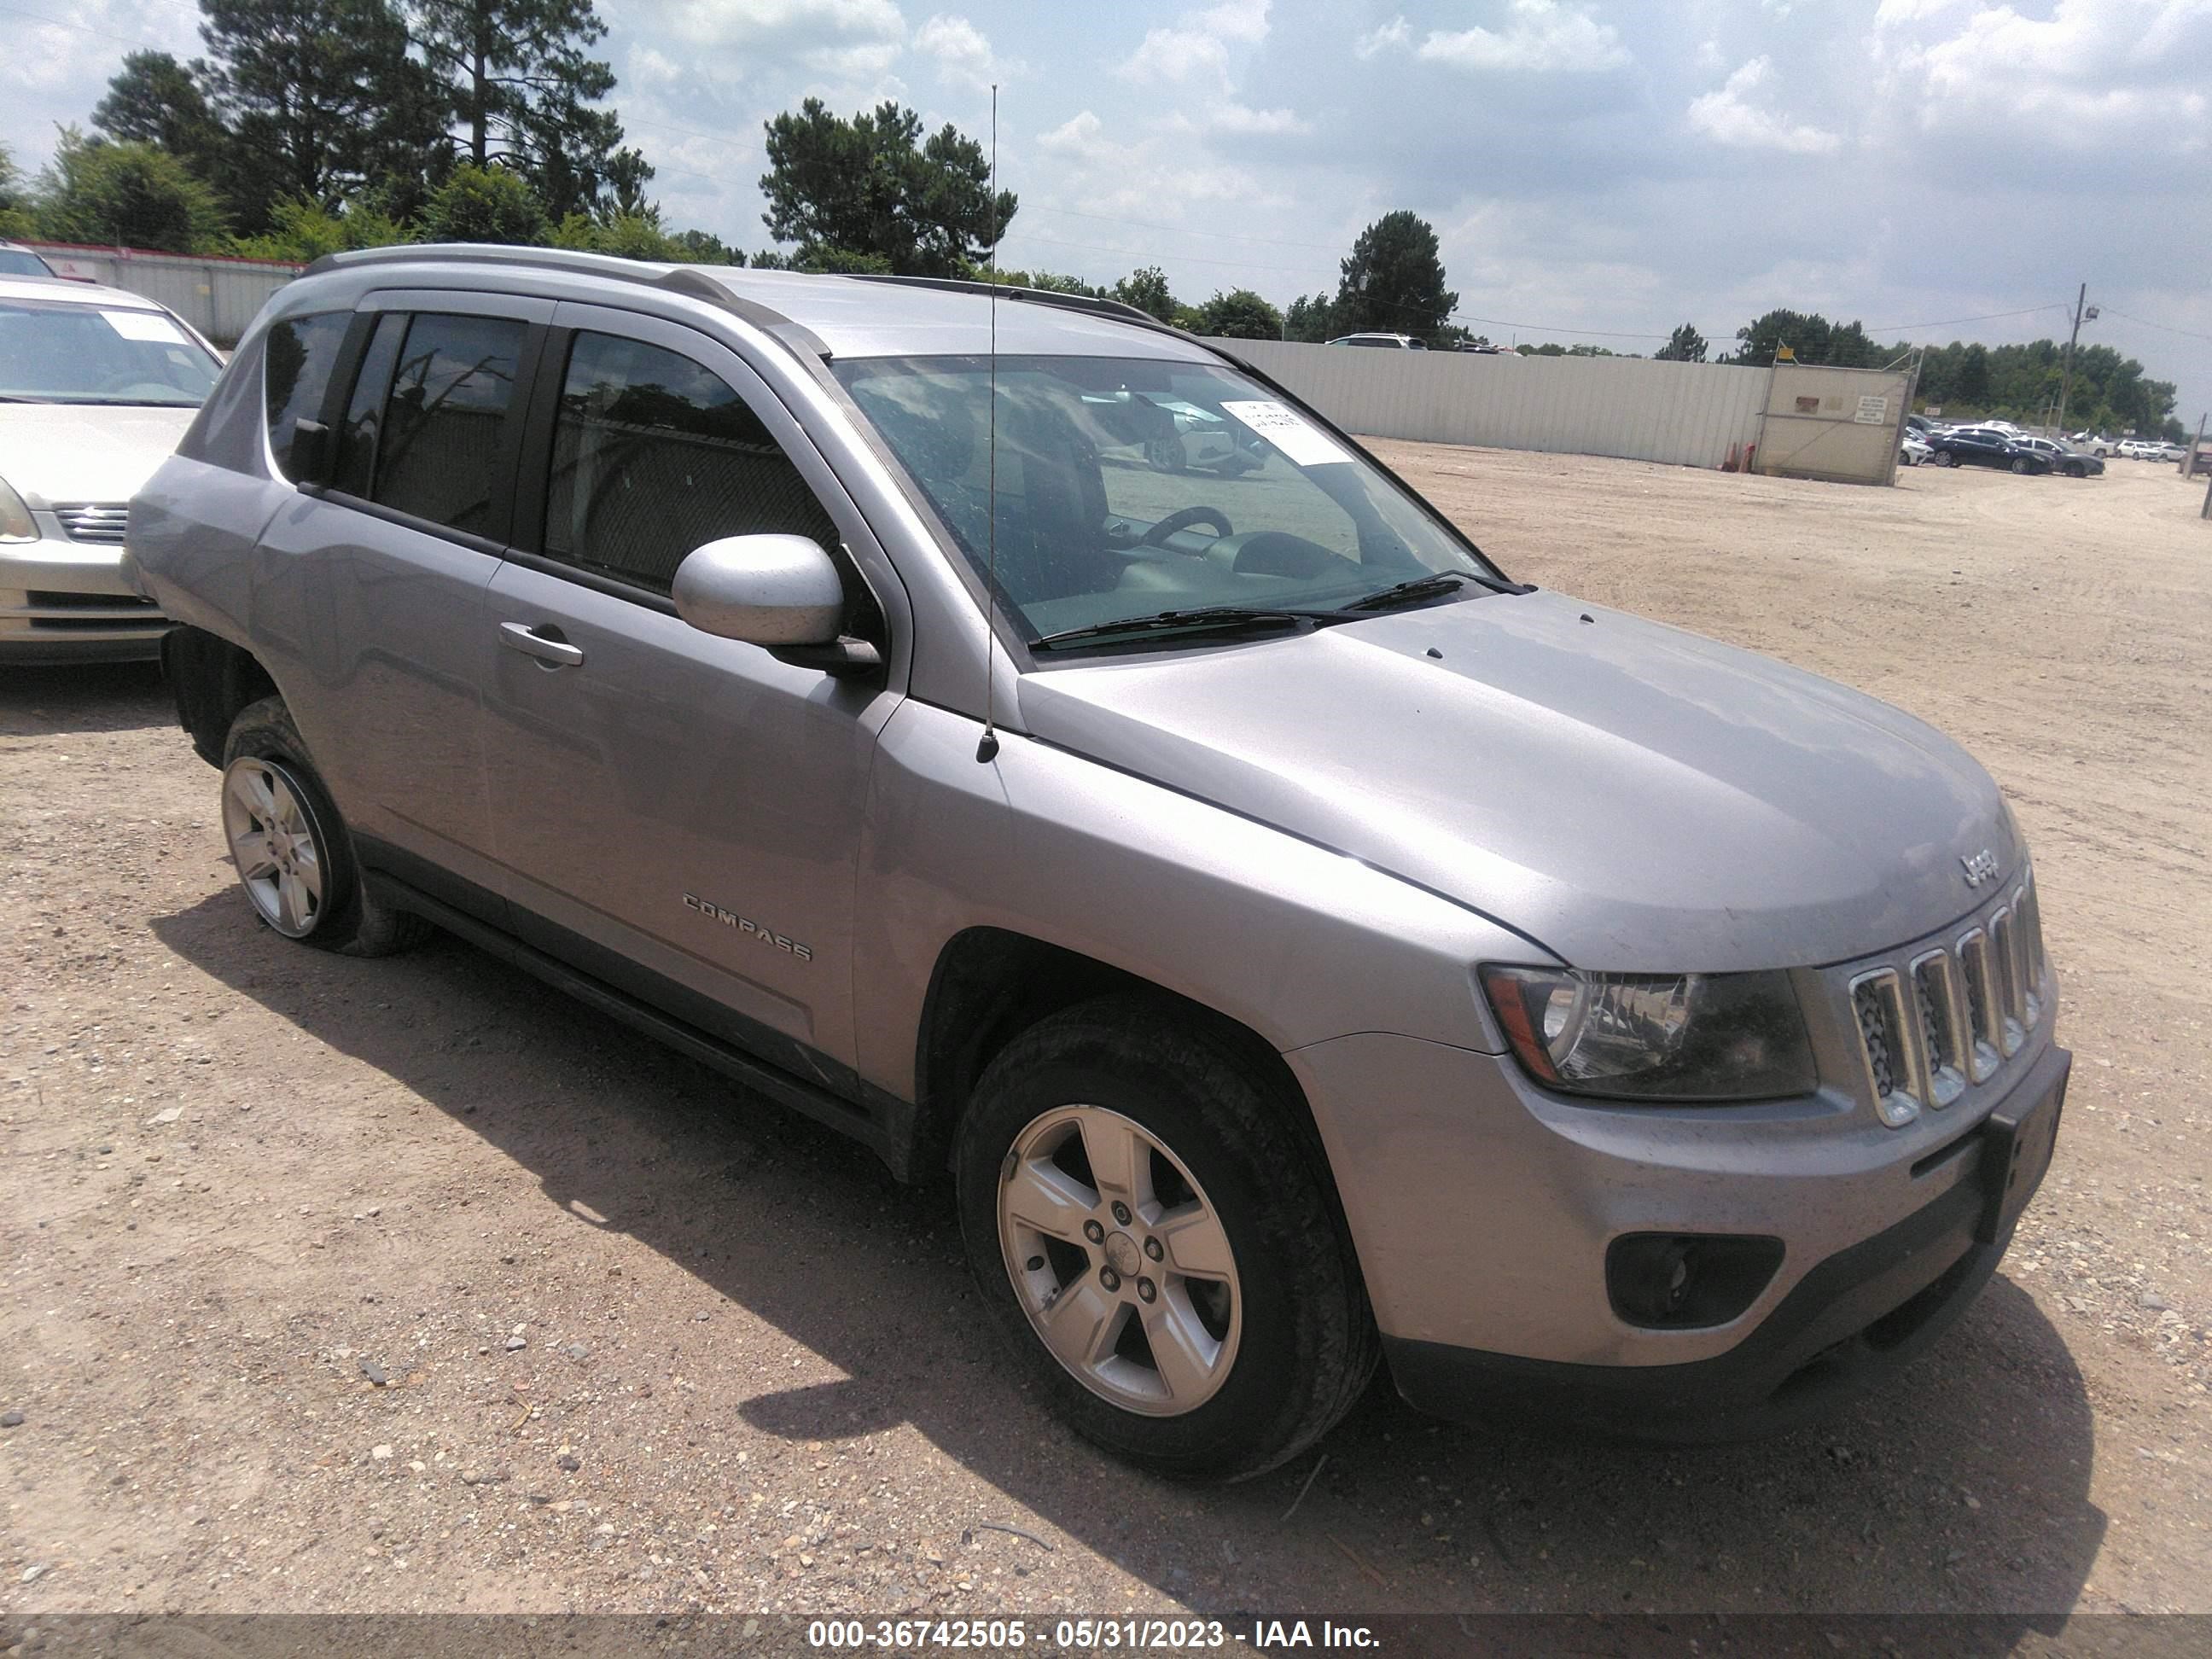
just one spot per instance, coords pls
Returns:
(780, 591)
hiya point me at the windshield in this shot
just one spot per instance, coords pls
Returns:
(21, 262)
(81, 354)
(1127, 488)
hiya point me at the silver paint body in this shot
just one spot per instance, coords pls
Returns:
(765, 590)
(1318, 836)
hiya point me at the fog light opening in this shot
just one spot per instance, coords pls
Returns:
(1682, 1281)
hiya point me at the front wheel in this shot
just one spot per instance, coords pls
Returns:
(1144, 1220)
(1943, 457)
(2019, 464)
(1166, 455)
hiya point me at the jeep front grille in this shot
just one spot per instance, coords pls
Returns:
(93, 521)
(1955, 1015)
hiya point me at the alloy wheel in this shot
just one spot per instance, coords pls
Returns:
(1119, 1261)
(272, 842)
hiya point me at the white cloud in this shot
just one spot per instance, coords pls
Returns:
(1236, 117)
(2104, 75)
(1727, 117)
(756, 24)
(1198, 41)
(1395, 32)
(963, 53)
(1542, 35)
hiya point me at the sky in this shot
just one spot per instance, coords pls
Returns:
(1596, 170)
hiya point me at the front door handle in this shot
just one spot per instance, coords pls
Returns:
(544, 643)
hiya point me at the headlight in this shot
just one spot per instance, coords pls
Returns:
(1654, 1036)
(16, 524)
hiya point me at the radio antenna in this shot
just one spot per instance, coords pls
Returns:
(987, 749)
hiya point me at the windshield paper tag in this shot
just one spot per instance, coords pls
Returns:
(1305, 444)
(143, 325)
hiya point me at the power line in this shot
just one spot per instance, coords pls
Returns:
(1945, 322)
(2165, 328)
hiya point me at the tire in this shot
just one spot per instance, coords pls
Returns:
(1293, 1341)
(2077, 472)
(1943, 457)
(2019, 465)
(312, 891)
(1166, 455)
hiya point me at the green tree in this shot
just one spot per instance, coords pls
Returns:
(301, 232)
(324, 93)
(1972, 379)
(519, 79)
(705, 248)
(14, 201)
(1240, 314)
(1762, 339)
(1147, 289)
(1684, 345)
(1311, 318)
(126, 195)
(873, 186)
(484, 204)
(154, 99)
(1393, 280)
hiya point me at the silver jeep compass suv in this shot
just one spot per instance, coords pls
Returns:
(1304, 946)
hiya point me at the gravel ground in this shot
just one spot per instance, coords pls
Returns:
(407, 1285)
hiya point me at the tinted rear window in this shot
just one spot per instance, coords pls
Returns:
(297, 363)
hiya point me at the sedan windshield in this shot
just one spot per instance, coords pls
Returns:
(1130, 489)
(84, 353)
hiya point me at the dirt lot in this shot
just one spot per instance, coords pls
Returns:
(407, 1285)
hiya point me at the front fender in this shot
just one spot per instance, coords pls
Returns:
(1296, 942)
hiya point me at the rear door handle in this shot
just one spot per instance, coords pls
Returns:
(544, 643)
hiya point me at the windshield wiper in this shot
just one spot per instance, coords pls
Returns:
(1204, 619)
(1421, 587)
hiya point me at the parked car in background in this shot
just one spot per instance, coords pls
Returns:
(16, 260)
(1986, 446)
(2140, 449)
(2064, 457)
(1913, 450)
(1392, 342)
(2167, 450)
(96, 387)
(2092, 443)
(1189, 437)
(1304, 947)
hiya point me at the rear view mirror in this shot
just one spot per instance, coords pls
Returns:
(780, 591)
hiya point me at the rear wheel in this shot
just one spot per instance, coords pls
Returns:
(1146, 1222)
(2020, 464)
(294, 857)
(1943, 457)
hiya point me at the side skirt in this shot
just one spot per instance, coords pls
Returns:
(879, 1119)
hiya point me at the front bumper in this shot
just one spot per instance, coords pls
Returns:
(69, 601)
(1855, 1317)
(1482, 1210)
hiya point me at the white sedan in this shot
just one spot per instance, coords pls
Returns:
(96, 387)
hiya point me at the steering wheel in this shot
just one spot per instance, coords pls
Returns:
(1159, 534)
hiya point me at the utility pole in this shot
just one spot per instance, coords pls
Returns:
(2082, 309)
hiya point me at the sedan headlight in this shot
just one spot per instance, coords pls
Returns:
(1654, 1036)
(16, 524)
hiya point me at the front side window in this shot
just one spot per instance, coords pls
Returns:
(297, 358)
(76, 353)
(444, 424)
(654, 455)
(1129, 487)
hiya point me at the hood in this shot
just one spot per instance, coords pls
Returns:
(1631, 797)
(83, 453)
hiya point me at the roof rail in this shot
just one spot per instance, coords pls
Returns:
(1119, 311)
(690, 280)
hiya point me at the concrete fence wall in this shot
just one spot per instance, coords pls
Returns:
(1688, 414)
(219, 297)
